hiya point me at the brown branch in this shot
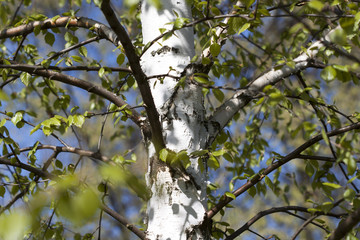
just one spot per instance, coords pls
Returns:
(317, 158)
(123, 221)
(346, 225)
(65, 69)
(302, 227)
(88, 86)
(87, 41)
(258, 177)
(284, 209)
(39, 172)
(81, 22)
(78, 151)
(139, 75)
(24, 191)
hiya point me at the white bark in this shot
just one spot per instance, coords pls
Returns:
(178, 201)
(226, 111)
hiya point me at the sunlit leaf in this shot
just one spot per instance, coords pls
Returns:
(215, 49)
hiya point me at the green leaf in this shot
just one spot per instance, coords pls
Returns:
(37, 127)
(213, 162)
(78, 120)
(357, 21)
(219, 152)
(199, 153)
(14, 225)
(3, 96)
(244, 28)
(309, 169)
(58, 164)
(17, 118)
(269, 183)
(338, 36)
(120, 59)
(235, 24)
(101, 72)
(332, 185)
(315, 4)
(252, 191)
(328, 73)
(49, 38)
(2, 122)
(83, 51)
(201, 80)
(350, 163)
(77, 59)
(163, 154)
(230, 195)
(25, 78)
(215, 49)
(180, 22)
(218, 94)
(2, 191)
(349, 195)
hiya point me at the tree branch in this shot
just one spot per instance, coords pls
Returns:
(258, 177)
(59, 149)
(39, 172)
(99, 28)
(139, 75)
(124, 221)
(346, 225)
(65, 69)
(24, 191)
(302, 227)
(284, 209)
(88, 86)
(228, 109)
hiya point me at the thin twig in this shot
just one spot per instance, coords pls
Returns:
(90, 40)
(302, 227)
(318, 114)
(19, 46)
(124, 221)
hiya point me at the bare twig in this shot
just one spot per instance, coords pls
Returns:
(59, 149)
(124, 222)
(55, 55)
(302, 227)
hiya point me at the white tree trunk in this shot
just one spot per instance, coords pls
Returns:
(178, 202)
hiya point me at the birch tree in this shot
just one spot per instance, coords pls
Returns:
(241, 110)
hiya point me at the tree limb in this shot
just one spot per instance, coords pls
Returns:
(258, 177)
(124, 221)
(264, 213)
(88, 86)
(64, 69)
(39, 172)
(346, 225)
(82, 22)
(229, 108)
(59, 149)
